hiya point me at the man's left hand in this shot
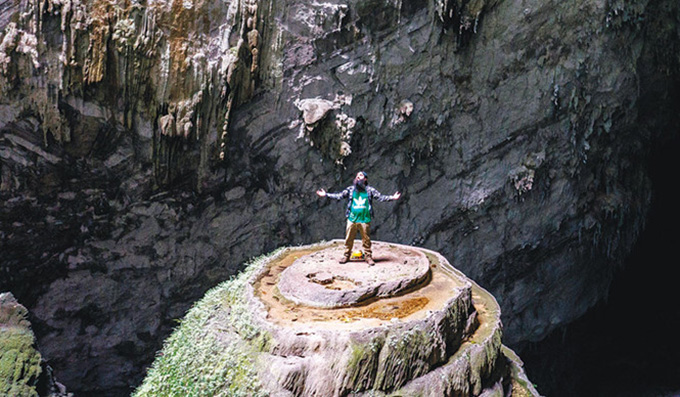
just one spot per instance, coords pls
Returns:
(396, 196)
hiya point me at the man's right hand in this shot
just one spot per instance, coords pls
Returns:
(321, 193)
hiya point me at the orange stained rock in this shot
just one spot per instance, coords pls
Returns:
(412, 304)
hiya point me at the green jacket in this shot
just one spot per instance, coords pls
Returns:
(347, 194)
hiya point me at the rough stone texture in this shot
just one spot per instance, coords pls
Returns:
(317, 279)
(334, 360)
(147, 149)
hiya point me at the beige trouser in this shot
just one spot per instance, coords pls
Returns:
(351, 231)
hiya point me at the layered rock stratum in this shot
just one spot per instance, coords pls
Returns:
(148, 148)
(441, 336)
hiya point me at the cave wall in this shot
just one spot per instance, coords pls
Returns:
(148, 149)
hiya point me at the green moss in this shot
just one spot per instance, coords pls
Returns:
(206, 356)
(404, 357)
(262, 342)
(362, 365)
(19, 362)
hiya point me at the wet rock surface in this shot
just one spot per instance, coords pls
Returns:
(147, 151)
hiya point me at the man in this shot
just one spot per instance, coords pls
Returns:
(359, 213)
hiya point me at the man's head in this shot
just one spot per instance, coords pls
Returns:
(360, 180)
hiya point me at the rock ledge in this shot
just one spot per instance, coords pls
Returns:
(437, 335)
(318, 280)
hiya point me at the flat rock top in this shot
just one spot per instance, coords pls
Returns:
(318, 280)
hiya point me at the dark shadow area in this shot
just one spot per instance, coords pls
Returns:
(628, 345)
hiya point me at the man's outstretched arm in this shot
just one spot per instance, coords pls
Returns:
(337, 196)
(381, 197)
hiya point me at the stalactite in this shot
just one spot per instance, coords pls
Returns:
(463, 16)
(153, 55)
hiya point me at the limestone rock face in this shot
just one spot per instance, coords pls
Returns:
(149, 147)
(449, 345)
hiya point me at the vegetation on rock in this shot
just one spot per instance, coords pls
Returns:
(20, 362)
(200, 358)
